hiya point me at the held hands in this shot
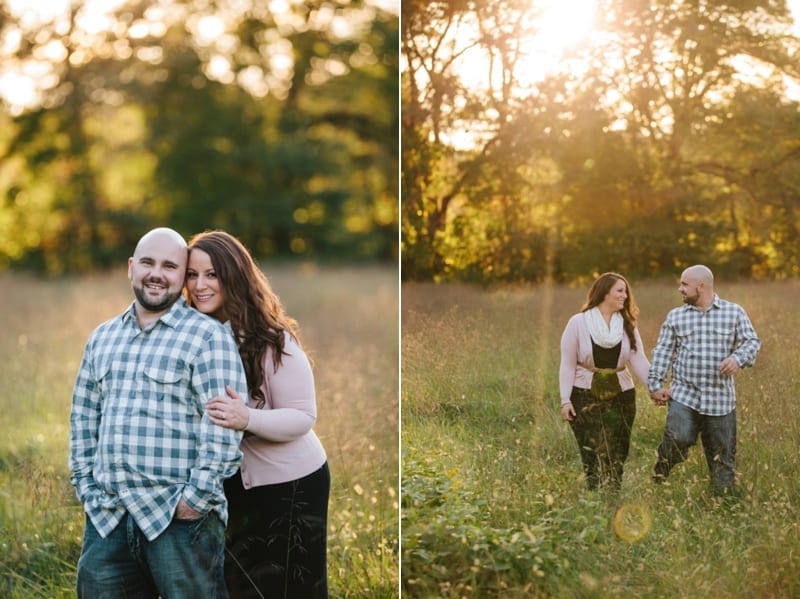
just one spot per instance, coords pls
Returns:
(660, 397)
(728, 367)
(567, 411)
(229, 412)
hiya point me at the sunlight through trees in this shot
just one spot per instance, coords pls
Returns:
(665, 135)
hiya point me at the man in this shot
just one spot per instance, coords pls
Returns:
(704, 343)
(147, 463)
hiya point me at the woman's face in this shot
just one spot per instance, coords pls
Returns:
(203, 285)
(616, 296)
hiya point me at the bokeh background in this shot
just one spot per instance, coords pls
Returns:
(550, 140)
(274, 120)
(277, 121)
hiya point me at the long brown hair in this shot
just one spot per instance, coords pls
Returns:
(254, 309)
(630, 311)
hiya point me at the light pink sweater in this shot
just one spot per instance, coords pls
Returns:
(576, 349)
(279, 444)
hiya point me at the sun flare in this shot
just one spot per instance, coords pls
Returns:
(560, 25)
(563, 24)
(553, 26)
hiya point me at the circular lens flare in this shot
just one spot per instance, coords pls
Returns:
(632, 522)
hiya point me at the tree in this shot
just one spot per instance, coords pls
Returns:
(635, 155)
(278, 125)
(437, 39)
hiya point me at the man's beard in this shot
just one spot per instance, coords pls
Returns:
(169, 299)
(691, 299)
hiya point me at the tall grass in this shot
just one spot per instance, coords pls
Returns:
(348, 320)
(493, 500)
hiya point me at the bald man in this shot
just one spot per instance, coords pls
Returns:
(702, 344)
(147, 463)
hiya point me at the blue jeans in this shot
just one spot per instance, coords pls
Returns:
(185, 561)
(718, 434)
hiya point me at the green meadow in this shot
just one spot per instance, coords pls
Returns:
(493, 501)
(348, 319)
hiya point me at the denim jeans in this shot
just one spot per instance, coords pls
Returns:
(718, 434)
(185, 561)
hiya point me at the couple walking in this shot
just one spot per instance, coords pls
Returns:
(700, 347)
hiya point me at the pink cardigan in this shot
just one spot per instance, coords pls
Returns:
(279, 444)
(576, 348)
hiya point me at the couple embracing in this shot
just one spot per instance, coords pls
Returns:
(194, 404)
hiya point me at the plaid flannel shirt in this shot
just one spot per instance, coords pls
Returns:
(139, 436)
(693, 343)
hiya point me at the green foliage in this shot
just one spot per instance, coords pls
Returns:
(137, 132)
(448, 547)
(493, 500)
(659, 148)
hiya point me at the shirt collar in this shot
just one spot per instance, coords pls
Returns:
(716, 304)
(169, 318)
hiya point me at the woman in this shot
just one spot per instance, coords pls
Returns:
(278, 501)
(597, 392)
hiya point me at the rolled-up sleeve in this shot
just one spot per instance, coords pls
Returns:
(747, 341)
(84, 424)
(218, 454)
(662, 356)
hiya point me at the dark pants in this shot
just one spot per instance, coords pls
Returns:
(277, 538)
(603, 431)
(718, 434)
(184, 561)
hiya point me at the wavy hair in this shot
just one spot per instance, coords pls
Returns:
(630, 311)
(254, 309)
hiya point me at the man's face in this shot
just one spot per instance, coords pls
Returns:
(156, 272)
(689, 290)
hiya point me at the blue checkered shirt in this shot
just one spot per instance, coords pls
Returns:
(139, 436)
(693, 343)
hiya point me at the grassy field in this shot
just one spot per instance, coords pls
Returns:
(493, 501)
(348, 319)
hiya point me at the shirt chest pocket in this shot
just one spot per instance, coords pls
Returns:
(684, 335)
(723, 337)
(166, 378)
(114, 382)
(168, 392)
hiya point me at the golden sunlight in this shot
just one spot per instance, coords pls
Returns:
(25, 80)
(561, 26)
(557, 26)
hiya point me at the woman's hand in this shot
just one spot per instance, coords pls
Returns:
(567, 411)
(230, 412)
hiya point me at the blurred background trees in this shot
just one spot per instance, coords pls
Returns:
(668, 134)
(277, 121)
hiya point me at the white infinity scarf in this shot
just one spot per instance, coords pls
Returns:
(601, 334)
